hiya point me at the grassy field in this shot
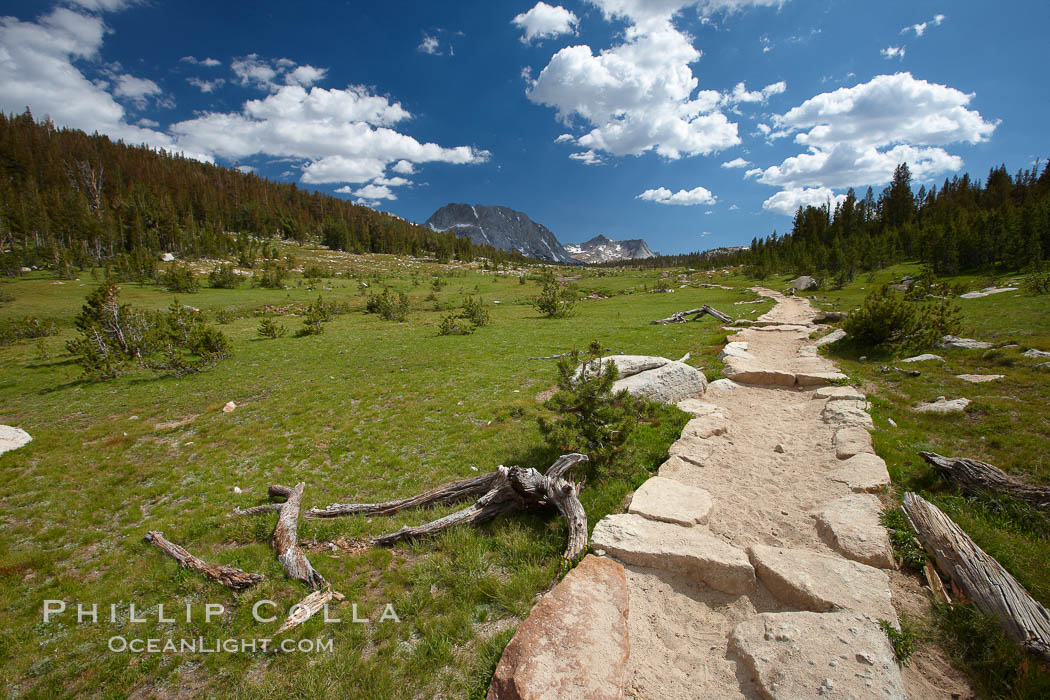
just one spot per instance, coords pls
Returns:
(369, 410)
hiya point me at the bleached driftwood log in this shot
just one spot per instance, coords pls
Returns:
(980, 577)
(980, 478)
(516, 489)
(683, 316)
(229, 576)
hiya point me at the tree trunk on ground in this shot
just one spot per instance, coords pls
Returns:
(515, 489)
(452, 492)
(980, 577)
(979, 478)
(286, 538)
(681, 316)
(226, 575)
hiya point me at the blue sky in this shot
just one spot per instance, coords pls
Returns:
(689, 124)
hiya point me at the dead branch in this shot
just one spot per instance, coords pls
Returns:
(979, 478)
(980, 577)
(446, 493)
(683, 316)
(307, 608)
(228, 576)
(516, 489)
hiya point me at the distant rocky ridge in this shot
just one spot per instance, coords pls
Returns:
(602, 249)
(501, 227)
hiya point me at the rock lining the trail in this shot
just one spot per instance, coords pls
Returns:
(851, 526)
(11, 438)
(849, 657)
(832, 337)
(667, 500)
(574, 642)
(764, 504)
(636, 540)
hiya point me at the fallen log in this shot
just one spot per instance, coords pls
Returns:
(228, 576)
(307, 608)
(452, 492)
(515, 489)
(682, 316)
(980, 577)
(979, 478)
(286, 538)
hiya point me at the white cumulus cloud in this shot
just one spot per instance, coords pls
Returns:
(858, 135)
(891, 52)
(137, 90)
(693, 197)
(740, 93)
(788, 201)
(736, 163)
(206, 86)
(544, 21)
(587, 157)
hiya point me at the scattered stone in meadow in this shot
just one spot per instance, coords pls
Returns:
(925, 357)
(1035, 353)
(167, 257)
(237, 489)
(979, 378)
(893, 423)
(229, 407)
(943, 405)
(802, 283)
(953, 341)
(987, 291)
(11, 438)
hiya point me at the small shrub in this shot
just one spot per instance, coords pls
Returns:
(180, 279)
(887, 319)
(475, 311)
(903, 641)
(268, 328)
(272, 277)
(554, 301)
(317, 314)
(454, 324)
(114, 337)
(590, 418)
(1037, 284)
(26, 328)
(387, 307)
(222, 316)
(902, 537)
(223, 277)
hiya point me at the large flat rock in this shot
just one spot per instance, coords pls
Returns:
(737, 348)
(925, 357)
(980, 378)
(574, 642)
(693, 449)
(749, 372)
(668, 383)
(688, 550)
(832, 337)
(852, 441)
(863, 472)
(671, 501)
(819, 582)
(11, 438)
(819, 378)
(677, 468)
(710, 419)
(796, 655)
(847, 414)
(839, 393)
(953, 341)
(851, 526)
(627, 365)
(943, 405)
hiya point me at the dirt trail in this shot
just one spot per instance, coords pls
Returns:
(771, 461)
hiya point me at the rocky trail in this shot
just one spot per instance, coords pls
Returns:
(753, 565)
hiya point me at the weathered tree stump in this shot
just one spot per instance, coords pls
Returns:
(980, 577)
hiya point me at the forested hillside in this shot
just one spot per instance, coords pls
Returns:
(963, 226)
(70, 200)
